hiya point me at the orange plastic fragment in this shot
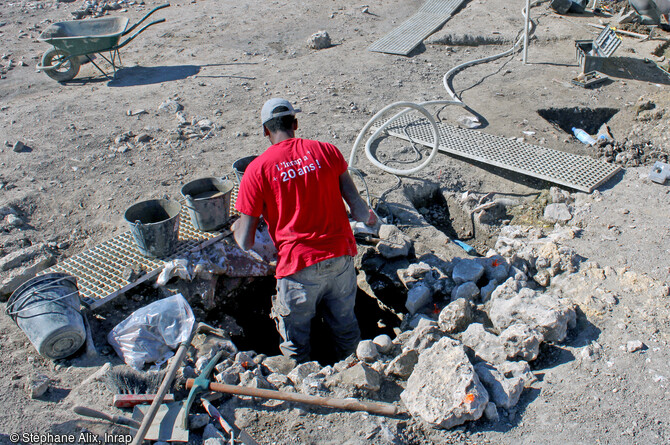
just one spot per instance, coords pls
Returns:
(469, 398)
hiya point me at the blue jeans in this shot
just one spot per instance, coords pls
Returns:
(331, 282)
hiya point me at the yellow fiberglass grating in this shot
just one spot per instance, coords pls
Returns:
(100, 270)
(578, 172)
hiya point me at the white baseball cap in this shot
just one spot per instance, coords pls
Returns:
(268, 111)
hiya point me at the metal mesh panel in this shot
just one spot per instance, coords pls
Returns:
(413, 31)
(578, 172)
(99, 270)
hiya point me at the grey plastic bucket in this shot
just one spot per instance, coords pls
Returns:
(208, 202)
(46, 308)
(241, 165)
(155, 226)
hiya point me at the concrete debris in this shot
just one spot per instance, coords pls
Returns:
(456, 316)
(26, 270)
(423, 336)
(19, 146)
(467, 291)
(394, 243)
(547, 314)
(212, 441)
(280, 364)
(445, 396)
(421, 273)
(522, 342)
(491, 412)
(170, 106)
(591, 353)
(418, 297)
(403, 365)
(319, 40)
(519, 369)
(634, 346)
(360, 376)
(384, 344)
(367, 351)
(485, 345)
(467, 270)
(303, 370)
(557, 213)
(502, 391)
(37, 385)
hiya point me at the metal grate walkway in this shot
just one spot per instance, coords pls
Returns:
(99, 271)
(427, 20)
(578, 172)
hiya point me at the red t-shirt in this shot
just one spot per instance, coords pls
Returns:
(295, 186)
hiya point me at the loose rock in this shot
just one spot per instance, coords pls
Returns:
(403, 365)
(418, 297)
(394, 243)
(367, 351)
(467, 291)
(19, 146)
(37, 385)
(521, 341)
(445, 395)
(384, 343)
(634, 346)
(467, 270)
(486, 346)
(503, 392)
(557, 213)
(303, 370)
(319, 40)
(456, 316)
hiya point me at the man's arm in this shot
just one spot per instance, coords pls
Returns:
(244, 231)
(357, 206)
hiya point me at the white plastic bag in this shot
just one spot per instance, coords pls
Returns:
(150, 334)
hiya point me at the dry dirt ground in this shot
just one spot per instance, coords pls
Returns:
(223, 59)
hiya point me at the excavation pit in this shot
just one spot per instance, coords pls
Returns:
(250, 306)
(588, 119)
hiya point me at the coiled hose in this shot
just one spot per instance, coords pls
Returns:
(421, 107)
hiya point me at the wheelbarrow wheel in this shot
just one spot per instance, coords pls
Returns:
(68, 69)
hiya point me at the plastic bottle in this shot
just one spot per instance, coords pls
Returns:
(583, 136)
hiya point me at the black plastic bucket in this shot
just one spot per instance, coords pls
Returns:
(241, 165)
(155, 226)
(46, 308)
(208, 202)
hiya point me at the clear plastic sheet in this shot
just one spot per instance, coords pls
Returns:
(150, 334)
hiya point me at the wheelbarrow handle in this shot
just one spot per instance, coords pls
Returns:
(121, 45)
(128, 31)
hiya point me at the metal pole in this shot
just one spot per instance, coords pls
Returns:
(526, 29)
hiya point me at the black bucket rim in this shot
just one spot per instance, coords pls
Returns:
(250, 158)
(32, 282)
(229, 185)
(153, 201)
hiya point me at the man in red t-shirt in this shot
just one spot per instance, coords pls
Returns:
(297, 185)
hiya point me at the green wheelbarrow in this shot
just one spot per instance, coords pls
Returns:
(75, 41)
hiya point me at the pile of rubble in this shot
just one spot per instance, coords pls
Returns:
(647, 141)
(463, 350)
(98, 8)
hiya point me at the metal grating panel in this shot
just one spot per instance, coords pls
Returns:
(99, 271)
(413, 31)
(578, 172)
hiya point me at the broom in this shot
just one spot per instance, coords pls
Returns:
(131, 387)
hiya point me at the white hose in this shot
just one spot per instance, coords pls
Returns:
(420, 107)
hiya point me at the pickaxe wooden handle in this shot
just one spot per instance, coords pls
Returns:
(385, 409)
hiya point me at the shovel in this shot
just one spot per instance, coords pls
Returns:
(166, 425)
